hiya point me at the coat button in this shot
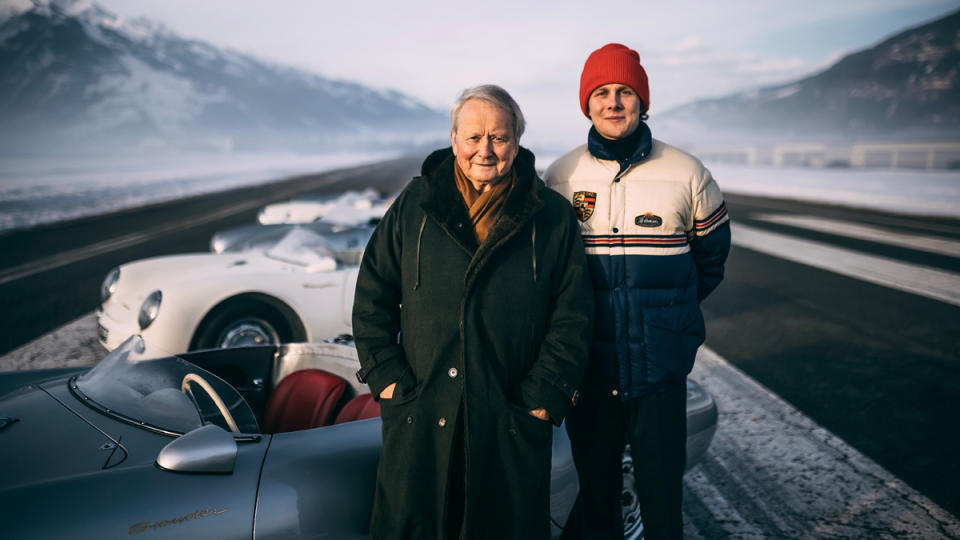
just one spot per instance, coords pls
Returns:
(442, 422)
(616, 230)
(409, 419)
(615, 392)
(452, 372)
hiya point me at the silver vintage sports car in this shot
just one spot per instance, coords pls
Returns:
(263, 442)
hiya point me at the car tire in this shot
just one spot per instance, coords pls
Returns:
(242, 324)
(629, 503)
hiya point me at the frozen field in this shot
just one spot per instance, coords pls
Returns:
(34, 192)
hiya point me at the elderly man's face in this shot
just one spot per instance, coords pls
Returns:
(484, 143)
(615, 110)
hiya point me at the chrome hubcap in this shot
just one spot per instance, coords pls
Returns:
(248, 332)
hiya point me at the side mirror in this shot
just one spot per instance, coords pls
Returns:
(207, 449)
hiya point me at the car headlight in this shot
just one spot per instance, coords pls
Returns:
(149, 309)
(109, 285)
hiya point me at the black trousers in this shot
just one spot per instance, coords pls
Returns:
(655, 426)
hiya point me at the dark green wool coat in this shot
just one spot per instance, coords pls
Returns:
(502, 328)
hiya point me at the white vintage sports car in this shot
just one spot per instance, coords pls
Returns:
(349, 208)
(297, 290)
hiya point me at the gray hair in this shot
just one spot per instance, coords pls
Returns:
(495, 96)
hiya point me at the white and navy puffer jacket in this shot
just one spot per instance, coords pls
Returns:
(657, 234)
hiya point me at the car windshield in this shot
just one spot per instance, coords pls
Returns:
(304, 247)
(149, 387)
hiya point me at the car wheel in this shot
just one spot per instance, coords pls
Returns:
(240, 325)
(246, 332)
(629, 503)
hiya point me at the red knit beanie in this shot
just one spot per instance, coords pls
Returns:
(613, 63)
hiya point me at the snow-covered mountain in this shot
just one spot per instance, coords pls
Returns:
(906, 86)
(75, 78)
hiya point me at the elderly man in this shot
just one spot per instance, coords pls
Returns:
(472, 318)
(657, 236)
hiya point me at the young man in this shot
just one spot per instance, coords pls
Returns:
(657, 235)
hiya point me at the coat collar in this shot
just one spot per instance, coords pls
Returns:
(595, 143)
(444, 203)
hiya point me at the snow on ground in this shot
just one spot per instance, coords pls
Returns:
(932, 193)
(34, 192)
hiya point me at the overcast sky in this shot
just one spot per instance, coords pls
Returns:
(433, 49)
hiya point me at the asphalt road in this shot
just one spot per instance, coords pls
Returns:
(875, 363)
(876, 366)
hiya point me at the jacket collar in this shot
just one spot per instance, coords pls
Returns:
(600, 151)
(445, 204)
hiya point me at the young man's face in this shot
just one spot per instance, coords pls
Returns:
(615, 110)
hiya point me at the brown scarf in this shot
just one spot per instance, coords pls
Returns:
(484, 208)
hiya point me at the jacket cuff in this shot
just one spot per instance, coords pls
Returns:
(384, 373)
(537, 394)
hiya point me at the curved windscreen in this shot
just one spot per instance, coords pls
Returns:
(345, 242)
(303, 247)
(146, 385)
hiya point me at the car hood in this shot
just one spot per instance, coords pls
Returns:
(60, 477)
(163, 272)
(32, 447)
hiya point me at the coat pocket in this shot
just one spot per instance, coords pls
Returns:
(671, 336)
(401, 396)
(528, 428)
(400, 424)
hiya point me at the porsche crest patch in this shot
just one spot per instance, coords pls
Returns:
(584, 203)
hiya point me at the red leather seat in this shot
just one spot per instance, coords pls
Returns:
(304, 399)
(359, 408)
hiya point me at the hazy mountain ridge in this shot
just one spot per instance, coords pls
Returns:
(76, 76)
(908, 85)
